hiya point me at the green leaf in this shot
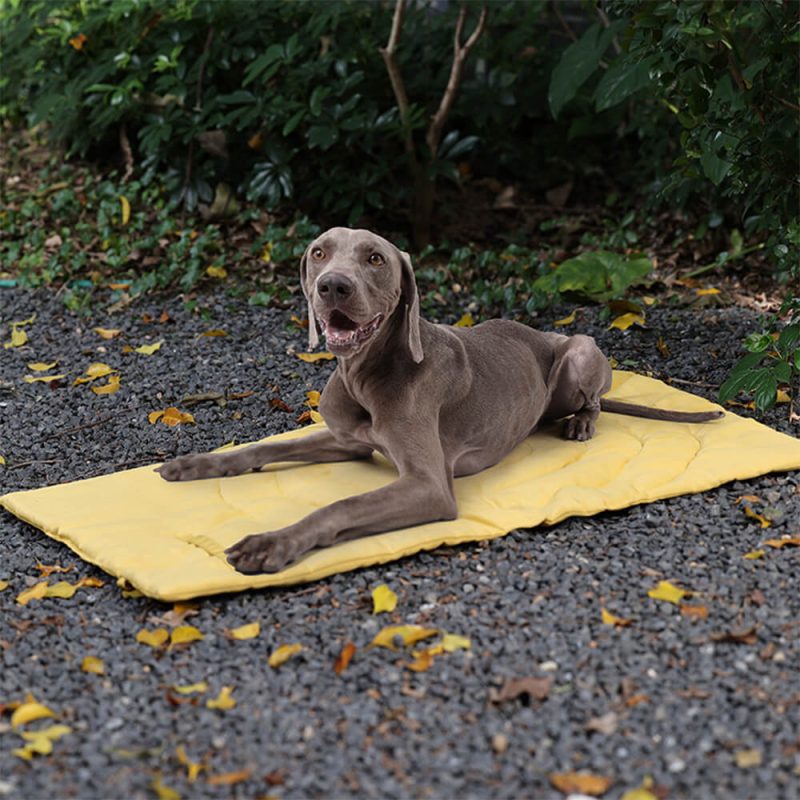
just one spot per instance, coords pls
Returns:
(765, 388)
(577, 64)
(741, 377)
(623, 78)
(322, 136)
(714, 167)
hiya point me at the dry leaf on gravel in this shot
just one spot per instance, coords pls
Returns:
(93, 665)
(785, 541)
(423, 661)
(111, 387)
(193, 768)
(753, 555)
(154, 638)
(43, 378)
(568, 320)
(3, 585)
(760, 518)
(383, 599)
(612, 619)
(310, 358)
(741, 635)
(693, 612)
(171, 416)
(184, 634)
(30, 711)
(40, 742)
(283, 654)
(40, 366)
(163, 792)
(229, 778)
(107, 333)
(745, 759)
(526, 688)
(148, 349)
(249, 631)
(669, 592)
(641, 792)
(312, 398)
(223, 701)
(580, 783)
(94, 371)
(396, 636)
(607, 723)
(624, 321)
(344, 658)
(201, 687)
(466, 321)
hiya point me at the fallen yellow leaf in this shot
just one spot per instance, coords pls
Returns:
(705, 292)
(315, 416)
(215, 271)
(313, 398)
(230, 778)
(42, 378)
(215, 332)
(669, 592)
(466, 321)
(383, 599)
(403, 634)
(568, 320)
(624, 321)
(694, 612)
(41, 742)
(2, 460)
(184, 634)
(249, 631)
(3, 585)
(786, 541)
(93, 372)
(580, 783)
(762, 520)
(154, 638)
(754, 554)
(40, 366)
(223, 701)
(107, 333)
(193, 688)
(126, 209)
(108, 388)
(452, 642)
(745, 759)
(163, 792)
(642, 792)
(312, 357)
(171, 416)
(93, 665)
(423, 661)
(61, 589)
(30, 712)
(283, 654)
(18, 337)
(36, 592)
(782, 396)
(193, 768)
(149, 349)
(612, 619)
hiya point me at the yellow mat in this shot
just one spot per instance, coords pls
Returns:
(167, 539)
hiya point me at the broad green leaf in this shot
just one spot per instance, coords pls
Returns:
(714, 167)
(623, 78)
(577, 64)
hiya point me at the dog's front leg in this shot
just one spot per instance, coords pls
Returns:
(320, 446)
(414, 498)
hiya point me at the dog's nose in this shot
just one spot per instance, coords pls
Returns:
(335, 286)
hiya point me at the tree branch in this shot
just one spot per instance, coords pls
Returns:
(460, 55)
(396, 78)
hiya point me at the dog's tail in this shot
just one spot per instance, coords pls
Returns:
(634, 410)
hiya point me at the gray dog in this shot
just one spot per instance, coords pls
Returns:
(437, 401)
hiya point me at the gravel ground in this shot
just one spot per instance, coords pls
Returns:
(709, 707)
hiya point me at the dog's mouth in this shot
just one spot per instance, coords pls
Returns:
(344, 335)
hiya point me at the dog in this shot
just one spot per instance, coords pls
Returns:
(437, 401)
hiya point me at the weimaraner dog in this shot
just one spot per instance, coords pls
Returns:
(437, 401)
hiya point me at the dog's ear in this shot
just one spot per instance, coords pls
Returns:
(408, 288)
(313, 330)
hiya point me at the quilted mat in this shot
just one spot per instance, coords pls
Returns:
(167, 539)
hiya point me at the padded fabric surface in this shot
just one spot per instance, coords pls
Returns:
(167, 539)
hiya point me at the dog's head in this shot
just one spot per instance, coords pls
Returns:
(354, 281)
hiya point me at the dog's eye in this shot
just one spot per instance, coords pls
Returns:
(377, 260)
(317, 254)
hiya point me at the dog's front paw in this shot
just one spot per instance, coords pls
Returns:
(581, 427)
(262, 552)
(194, 467)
